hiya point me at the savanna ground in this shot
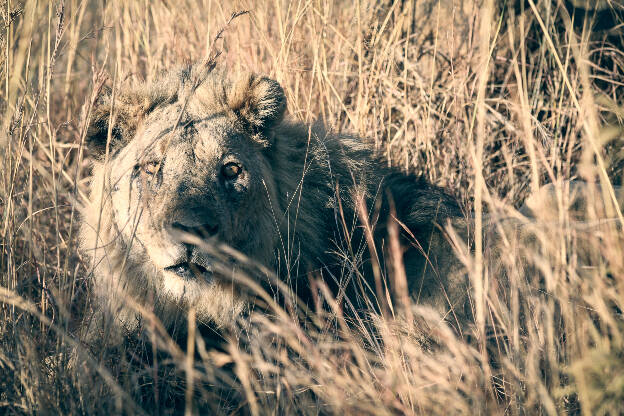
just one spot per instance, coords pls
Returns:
(489, 99)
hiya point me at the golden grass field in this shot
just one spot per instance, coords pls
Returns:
(490, 99)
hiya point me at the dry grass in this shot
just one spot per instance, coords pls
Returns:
(489, 99)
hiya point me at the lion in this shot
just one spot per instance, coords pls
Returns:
(198, 157)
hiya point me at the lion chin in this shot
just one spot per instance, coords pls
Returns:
(213, 302)
(194, 169)
(192, 282)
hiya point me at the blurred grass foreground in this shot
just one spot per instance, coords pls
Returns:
(490, 99)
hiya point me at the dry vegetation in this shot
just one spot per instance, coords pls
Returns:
(490, 99)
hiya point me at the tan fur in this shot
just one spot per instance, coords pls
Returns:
(298, 201)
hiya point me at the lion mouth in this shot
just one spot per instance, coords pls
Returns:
(188, 270)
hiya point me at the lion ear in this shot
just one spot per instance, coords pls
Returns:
(125, 117)
(258, 100)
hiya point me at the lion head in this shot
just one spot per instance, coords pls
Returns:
(180, 158)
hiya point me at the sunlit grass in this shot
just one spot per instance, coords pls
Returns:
(488, 99)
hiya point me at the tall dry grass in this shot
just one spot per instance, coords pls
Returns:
(490, 99)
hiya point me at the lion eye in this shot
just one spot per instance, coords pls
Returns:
(231, 170)
(151, 167)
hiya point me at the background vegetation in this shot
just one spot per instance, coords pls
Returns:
(489, 99)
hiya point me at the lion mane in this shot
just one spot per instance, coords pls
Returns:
(213, 156)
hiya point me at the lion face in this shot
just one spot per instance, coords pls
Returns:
(186, 180)
(201, 180)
